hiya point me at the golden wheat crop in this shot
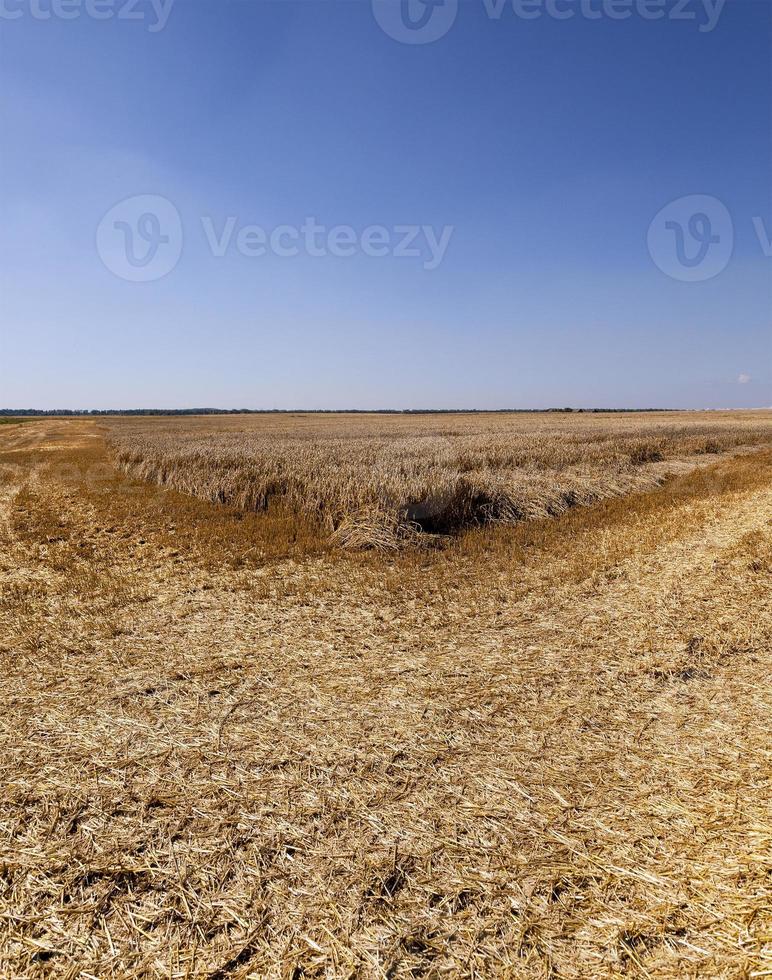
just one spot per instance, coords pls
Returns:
(383, 480)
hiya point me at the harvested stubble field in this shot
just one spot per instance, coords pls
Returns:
(231, 748)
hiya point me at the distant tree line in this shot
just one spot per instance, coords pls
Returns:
(313, 411)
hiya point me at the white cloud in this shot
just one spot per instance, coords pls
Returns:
(743, 379)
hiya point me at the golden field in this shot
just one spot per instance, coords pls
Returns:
(280, 736)
(385, 480)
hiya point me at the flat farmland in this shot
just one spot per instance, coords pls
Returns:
(386, 696)
(386, 481)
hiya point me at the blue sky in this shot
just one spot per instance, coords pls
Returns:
(545, 147)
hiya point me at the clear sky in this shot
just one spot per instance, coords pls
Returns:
(526, 155)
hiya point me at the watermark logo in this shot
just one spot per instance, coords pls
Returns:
(424, 21)
(415, 21)
(692, 238)
(764, 237)
(153, 13)
(704, 13)
(140, 239)
(316, 240)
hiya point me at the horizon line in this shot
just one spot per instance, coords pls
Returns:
(36, 412)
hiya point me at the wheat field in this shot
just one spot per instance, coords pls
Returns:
(383, 480)
(238, 743)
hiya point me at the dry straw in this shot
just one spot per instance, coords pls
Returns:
(541, 752)
(379, 481)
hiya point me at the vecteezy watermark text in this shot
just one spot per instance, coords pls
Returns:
(425, 21)
(705, 13)
(340, 241)
(140, 239)
(155, 13)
